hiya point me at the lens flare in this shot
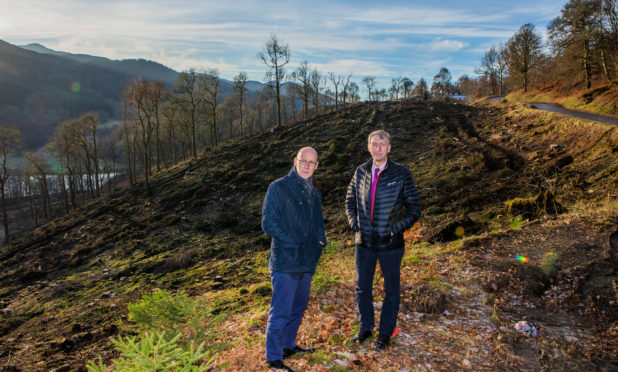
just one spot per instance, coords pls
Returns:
(522, 259)
(460, 231)
(54, 165)
(76, 87)
(548, 262)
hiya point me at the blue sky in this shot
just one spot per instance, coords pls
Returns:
(384, 39)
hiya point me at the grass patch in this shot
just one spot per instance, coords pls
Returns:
(517, 221)
(322, 281)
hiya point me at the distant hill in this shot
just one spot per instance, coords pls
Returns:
(41, 87)
(146, 69)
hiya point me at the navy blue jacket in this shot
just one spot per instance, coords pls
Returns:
(292, 216)
(397, 206)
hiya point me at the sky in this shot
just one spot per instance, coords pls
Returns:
(384, 39)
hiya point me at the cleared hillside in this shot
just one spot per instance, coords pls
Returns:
(197, 228)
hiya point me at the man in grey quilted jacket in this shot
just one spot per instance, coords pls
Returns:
(381, 203)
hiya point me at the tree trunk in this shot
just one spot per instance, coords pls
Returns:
(241, 103)
(47, 197)
(81, 188)
(64, 192)
(5, 216)
(586, 61)
(33, 209)
(604, 62)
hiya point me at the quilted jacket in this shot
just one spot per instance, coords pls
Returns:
(397, 206)
(292, 216)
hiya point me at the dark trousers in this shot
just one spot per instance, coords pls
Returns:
(390, 262)
(287, 306)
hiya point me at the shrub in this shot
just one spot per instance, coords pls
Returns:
(154, 352)
(543, 202)
(162, 310)
(428, 298)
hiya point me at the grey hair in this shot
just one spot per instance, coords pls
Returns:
(380, 133)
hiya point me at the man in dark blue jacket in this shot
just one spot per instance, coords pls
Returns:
(381, 203)
(292, 216)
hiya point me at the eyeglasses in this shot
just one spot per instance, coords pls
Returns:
(311, 163)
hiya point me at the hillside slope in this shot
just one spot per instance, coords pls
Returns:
(148, 70)
(197, 228)
(40, 88)
(601, 98)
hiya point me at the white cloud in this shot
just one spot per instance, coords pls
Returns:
(447, 45)
(363, 37)
(355, 67)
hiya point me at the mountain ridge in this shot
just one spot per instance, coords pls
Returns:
(41, 87)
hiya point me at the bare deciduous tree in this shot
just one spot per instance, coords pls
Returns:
(345, 89)
(9, 142)
(337, 81)
(395, 87)
(407, 86)
(188, 99)
(421, 89)
(302, 76)
(523, 51)
(138, 95)
(240, 87)
(210, 85)
(40, 170)
(275, 56)
(370, 83)
(316, 88)
(442, 84)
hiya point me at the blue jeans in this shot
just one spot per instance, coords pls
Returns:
(390, 262)
(287, 306)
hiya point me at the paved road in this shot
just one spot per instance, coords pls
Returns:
(561, 110)
(579, 114)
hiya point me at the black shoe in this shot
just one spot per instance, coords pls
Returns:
(383, 341)
(361, 337)
(278, 364)
(297, 349)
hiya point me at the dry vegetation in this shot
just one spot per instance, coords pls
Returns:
(601, 98)
(64, 290)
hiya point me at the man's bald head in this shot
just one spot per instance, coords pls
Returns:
(304, 149)
(306, 162)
